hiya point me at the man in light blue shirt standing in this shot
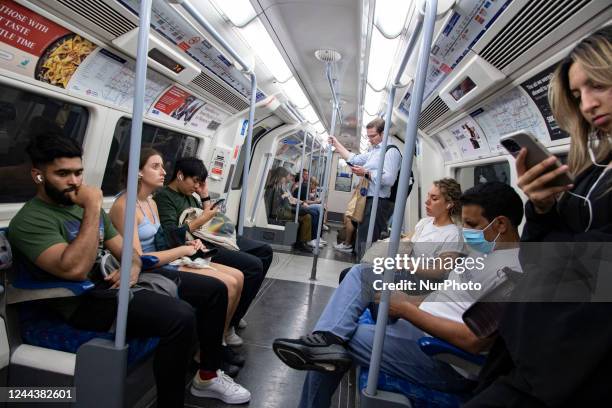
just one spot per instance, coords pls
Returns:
(366, 165)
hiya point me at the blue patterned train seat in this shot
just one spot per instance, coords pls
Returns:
(419, 396)
(43, 330)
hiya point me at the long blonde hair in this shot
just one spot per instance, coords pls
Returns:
(594, 53)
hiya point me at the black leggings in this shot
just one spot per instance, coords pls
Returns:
(202, 309)
(253, 260)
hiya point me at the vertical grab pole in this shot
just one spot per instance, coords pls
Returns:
(132, 179)
(320, 163)
(247, 155)
(313, 273)
(299, 201)
(388, 114)
(379, 173)
(311, 158)
(197, 16)
(431, 7)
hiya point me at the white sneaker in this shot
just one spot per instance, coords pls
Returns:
(221, 387)
(232, 339)
(322, 242)
(342, 247)
(242, 324)
(313, 243)
(325, 227)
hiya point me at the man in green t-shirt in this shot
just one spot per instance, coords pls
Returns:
(60, 233)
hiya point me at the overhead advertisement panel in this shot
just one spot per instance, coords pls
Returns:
(469, 139)
(510, 112)
(36, 47)
(170, 24)
(537, 88)
(110, 77)
(469, 21)
(179, 107)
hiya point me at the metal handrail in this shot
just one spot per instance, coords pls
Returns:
(431, 7)
(127, 251)
(326, 175)
(299, 197)
(388, 113)
(247, 70)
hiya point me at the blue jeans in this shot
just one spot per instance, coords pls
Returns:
(402, 356)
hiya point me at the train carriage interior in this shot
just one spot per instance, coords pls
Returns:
(265, 93)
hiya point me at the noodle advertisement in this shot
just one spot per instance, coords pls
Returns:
(34, 46)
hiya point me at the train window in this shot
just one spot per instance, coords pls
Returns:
(470, 176)
(22, 112)
(172, 145)
(258, 133)
(344, 177)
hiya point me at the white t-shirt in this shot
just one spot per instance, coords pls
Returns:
(451, 304)
(431, 240)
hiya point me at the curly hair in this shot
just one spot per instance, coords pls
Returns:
(451, 191)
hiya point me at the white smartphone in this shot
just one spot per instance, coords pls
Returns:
(536, 153)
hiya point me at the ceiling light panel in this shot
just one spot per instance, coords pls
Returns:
(294, 93)
(390, 15)
(309, 114)
(260, 42)
(239, 12)
(372, 99)
(382, 54)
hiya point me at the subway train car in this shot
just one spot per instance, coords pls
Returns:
(280, 150)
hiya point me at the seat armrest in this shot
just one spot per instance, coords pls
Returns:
(446, 352)
(25, 291)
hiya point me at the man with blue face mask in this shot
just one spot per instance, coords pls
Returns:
(491, 213)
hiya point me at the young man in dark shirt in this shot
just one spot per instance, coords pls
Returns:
(254, 257)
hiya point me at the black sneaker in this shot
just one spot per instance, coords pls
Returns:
(230, 369)
(312, 352)
(302, 247)
(232, 357)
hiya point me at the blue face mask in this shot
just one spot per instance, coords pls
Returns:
(476, 240)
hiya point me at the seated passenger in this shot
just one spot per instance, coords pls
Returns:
(313, 208)
(151, 177)
(60, 234)
(437, 234)
(491, 214)
(314, 201)
(254, 257)
(278, 207)
(552, 351)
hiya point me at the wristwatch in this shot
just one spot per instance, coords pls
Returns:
(204, 199)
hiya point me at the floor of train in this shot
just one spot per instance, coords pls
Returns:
(288, 305)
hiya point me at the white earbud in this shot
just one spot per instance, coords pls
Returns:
(180, 177)
(39, 178)
(448, 206)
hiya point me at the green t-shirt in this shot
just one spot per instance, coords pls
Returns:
(170, 205)
(39, 225)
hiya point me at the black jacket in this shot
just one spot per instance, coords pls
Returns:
(555, 347)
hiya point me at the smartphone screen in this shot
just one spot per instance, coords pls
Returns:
(218, 202)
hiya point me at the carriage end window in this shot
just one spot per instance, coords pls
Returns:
(172, 146)
(22, 114)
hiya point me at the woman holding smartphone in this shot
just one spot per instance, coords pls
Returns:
(554, 348)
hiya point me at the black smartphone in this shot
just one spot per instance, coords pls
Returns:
(536, 153)
(350, 164)
(218, 202)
